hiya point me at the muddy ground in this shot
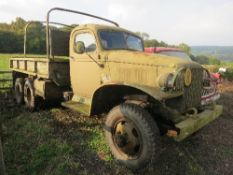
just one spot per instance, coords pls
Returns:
(59, 141)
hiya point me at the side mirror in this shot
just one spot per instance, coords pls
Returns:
(80, 47)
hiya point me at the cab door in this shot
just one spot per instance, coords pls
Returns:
(84, 67)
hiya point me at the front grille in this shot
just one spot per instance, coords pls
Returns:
(192, 93)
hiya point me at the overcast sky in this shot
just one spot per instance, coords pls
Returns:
(195, 22)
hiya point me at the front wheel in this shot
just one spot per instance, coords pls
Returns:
(132, 135)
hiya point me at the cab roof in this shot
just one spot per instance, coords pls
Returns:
(96, 27)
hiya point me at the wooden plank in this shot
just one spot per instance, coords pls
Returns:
(26, 72)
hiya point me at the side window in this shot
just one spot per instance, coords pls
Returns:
(88, 40)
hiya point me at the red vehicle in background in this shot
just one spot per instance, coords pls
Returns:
(170, 51)
(176, 52)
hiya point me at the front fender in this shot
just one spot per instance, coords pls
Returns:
(154, 92)
(111, 94)
(157, 93)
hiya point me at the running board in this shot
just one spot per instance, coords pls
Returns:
(76, 106)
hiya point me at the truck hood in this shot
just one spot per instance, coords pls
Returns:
(148, 59)
(142, 69)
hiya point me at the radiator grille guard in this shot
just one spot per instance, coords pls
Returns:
(192, 93)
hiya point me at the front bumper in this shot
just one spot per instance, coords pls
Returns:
(210, 98)
(196, 122)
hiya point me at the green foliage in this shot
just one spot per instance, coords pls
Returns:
(155, 43)
(229, 73)
(54, 142)
(224, 53)
(151, 43)
(18, 25)
(214, 61)
(4, 61)
(36, 40)
(50, 152)
(143, 35)
(12, 37)
(202, 59)
(10, 42)
(208, 60)
(185, 48)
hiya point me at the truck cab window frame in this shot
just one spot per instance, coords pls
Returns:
(88, 39)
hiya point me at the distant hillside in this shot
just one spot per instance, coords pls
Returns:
(224, 53)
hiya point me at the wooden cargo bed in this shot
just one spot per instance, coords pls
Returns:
(56, 69)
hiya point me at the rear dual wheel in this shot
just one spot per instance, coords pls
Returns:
(19, 91)
(29, 95)
(24, 93)
(132, 135)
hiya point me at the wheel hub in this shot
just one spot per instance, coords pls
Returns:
(127, 138)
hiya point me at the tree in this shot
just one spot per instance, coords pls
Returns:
(214, 61)
(143, 35)
(185, 48)
(36, 38)
(202, 59)
(151, 43)
(163, 44)
(10, 42)
(18, 25)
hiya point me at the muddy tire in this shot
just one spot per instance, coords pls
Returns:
(19, 91)
(29, 95)
(132, 135)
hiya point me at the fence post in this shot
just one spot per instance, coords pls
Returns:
(2, 164)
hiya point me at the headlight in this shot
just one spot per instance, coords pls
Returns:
(166, 80)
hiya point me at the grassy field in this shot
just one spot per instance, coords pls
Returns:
(4, 60)
(57, 141)
(4, 66)
(54, 142)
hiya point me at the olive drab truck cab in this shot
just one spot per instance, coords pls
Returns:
(144, 96)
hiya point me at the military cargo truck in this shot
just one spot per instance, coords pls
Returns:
(103, 69)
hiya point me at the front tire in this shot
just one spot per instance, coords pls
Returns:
(132, 135)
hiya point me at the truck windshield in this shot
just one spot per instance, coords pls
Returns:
(118, 40)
